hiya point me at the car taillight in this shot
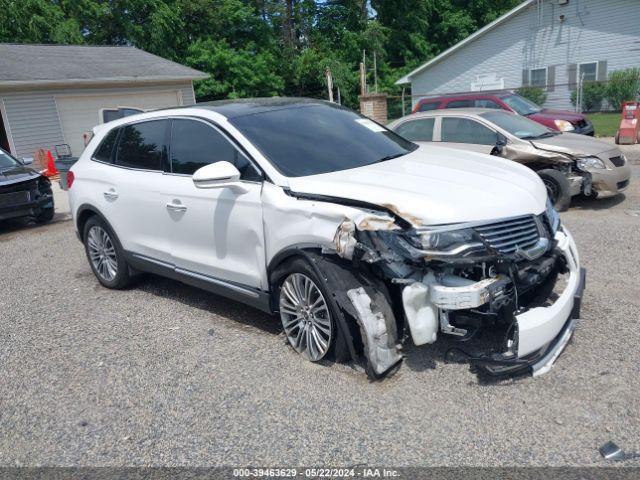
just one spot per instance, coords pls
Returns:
(70, 178)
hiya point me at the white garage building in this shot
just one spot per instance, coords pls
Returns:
(52, 94)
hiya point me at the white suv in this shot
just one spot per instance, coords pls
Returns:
(346, 230)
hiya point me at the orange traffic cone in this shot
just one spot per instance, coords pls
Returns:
(51, 170)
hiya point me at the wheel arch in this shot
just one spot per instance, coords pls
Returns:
(84, 213)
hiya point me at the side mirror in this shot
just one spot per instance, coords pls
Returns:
(501, 142)
(218, 175)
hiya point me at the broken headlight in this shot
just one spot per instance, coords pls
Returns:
(552, 217)
(447, 242)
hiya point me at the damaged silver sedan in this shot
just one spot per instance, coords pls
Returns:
(357, 238)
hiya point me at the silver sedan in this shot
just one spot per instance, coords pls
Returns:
(568, 163)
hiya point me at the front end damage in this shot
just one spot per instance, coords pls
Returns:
(509, 290)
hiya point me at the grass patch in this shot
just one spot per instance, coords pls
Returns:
(605, 124)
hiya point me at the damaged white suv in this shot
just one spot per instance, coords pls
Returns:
(343, 228)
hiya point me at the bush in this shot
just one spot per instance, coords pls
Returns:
(623, 85)
(592, 95)
(535, 94)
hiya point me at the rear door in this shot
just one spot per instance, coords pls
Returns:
(215, 233)
(133, 194)
(467, 134)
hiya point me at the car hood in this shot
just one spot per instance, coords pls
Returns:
(549, 114)
(16, 174)
(435, 185)
(573, 144)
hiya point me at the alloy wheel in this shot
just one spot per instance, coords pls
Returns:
(102, 253)
(305, 317)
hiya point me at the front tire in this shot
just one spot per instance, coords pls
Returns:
(557, 187)
(307, 314)
(105, 254)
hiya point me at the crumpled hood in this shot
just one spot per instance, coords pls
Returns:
(573, 144)
(435, 185)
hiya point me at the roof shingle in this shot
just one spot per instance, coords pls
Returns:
(29, 63)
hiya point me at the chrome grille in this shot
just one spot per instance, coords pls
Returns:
(617, 161)
(507, 235)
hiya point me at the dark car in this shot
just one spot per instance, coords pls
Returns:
(23, 191)
(561, 120)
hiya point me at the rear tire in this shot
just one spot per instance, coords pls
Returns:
(557, 187)
(105, 254)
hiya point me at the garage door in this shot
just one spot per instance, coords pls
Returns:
(80, 113)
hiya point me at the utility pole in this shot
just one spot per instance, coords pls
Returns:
(363, 86)
(375, 72)
(364, 63)
(327, 72)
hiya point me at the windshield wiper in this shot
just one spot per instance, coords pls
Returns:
(542, 135)
(390, 157)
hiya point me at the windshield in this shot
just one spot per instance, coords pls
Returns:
(7, 160)
(319, 138)
(518, 126)
(520, 104)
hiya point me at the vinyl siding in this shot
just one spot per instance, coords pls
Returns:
(592, 31)
(33, 118)
(33, 122)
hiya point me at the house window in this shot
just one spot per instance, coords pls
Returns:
(538, 77)
(589, 70)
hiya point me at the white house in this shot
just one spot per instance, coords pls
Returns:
(52, 94)
(545, 43)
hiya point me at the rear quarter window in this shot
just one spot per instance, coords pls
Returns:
(104, 152)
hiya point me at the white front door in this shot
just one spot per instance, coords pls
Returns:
(214, 232)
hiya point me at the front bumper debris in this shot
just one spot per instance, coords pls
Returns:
(538, 334)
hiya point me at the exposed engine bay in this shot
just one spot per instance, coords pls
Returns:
(458, 280)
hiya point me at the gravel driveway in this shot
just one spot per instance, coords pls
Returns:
(164, 374)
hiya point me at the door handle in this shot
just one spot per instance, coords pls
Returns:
(110, 194)
(176, 207)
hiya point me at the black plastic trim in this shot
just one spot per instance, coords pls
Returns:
(248, 295)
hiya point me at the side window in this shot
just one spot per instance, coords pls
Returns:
(425, 107)
(104, 153)
(486, 103)
(463, 130)
(459, 104)
(417, 130)
(195, 144)
(142, 145)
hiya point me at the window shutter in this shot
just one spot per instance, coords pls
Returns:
(551, 78)
(525, 78)
(602, 70)
(572, 74)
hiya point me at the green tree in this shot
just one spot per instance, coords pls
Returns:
(235, 73)
(38, 21)
(623, 85)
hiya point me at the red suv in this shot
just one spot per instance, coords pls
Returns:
(512, 102)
